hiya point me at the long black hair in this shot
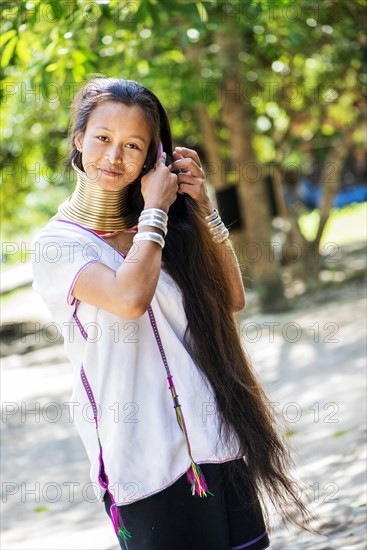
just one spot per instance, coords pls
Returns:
(192, 259)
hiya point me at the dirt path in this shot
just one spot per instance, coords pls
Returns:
(313, 369)
(315, 374)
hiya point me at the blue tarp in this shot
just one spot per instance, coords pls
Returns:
(310, 194)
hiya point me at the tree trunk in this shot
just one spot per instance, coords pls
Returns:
(299, 254)
(311, 256)
(211, 146)
(330, 178)
(214, 172)
(257, 254)
(310, 260)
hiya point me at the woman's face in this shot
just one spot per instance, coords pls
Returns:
(115, 144)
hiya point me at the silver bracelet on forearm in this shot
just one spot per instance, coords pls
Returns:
(152, 222)
(217, 227)
(149, 236)
(152, 217)
(155, 212)
(222, 235)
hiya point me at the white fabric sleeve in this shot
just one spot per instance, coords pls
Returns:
(60, 256)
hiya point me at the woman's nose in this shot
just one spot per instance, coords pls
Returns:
(113, 155)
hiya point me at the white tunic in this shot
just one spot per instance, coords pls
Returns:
(144, 450)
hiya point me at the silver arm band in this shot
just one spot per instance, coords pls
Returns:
(149, 236)
(153, 223)
(219, 231)
(155, 212)
(212, 216)
(217, 221)
(154, 216)
(222, 235)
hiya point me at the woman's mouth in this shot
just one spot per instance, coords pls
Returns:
(111, 174)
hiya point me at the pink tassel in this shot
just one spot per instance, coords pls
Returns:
(116, 518)
(197, 481)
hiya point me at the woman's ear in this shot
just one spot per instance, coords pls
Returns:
(78, 141)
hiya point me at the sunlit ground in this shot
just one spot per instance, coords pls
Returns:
(345, 225)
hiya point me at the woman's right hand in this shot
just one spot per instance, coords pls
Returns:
(159, 186)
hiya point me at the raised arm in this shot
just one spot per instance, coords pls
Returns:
(128, 292)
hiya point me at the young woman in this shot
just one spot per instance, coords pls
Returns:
(137, 269)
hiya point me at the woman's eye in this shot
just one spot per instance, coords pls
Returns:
(105, 138)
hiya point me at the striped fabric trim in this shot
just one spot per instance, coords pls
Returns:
(68, 299)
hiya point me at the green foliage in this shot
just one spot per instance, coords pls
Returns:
(300, 65)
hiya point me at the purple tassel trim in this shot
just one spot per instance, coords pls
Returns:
(116, 519)
(197, 481)
(194, 475)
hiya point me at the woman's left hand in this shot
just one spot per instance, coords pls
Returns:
(191, 180)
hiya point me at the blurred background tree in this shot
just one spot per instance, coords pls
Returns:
(267, 93)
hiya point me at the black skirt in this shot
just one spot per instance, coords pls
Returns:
(174, 519)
